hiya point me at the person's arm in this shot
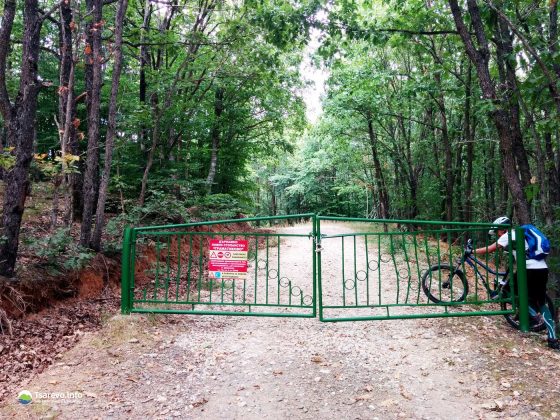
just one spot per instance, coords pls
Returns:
(486, 250)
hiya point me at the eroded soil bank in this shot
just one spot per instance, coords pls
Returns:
(215, 367)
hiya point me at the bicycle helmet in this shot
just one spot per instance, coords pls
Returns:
(502, 220)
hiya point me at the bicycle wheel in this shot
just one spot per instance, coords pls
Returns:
(443, 284)
(535, 324)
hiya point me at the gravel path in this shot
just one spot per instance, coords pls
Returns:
(215, 367)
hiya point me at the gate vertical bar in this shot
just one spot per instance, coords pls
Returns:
(314, 251)
(125, 273)
(317, 252)
(132, 280)
(522, 279)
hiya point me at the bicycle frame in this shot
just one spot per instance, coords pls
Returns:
(474, 263)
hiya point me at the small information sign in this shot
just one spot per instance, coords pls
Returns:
(227, 258)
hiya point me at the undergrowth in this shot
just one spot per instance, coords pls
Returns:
(59, 250)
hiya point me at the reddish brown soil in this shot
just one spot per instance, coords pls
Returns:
(41, 324)
(44, 315)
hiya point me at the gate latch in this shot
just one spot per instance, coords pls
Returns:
(317, 240)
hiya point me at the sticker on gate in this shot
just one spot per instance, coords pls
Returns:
(227, 259)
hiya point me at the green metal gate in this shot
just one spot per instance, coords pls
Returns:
(166, 268)
(353, 269)
(377, 269)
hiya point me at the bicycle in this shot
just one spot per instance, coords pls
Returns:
(450, 285)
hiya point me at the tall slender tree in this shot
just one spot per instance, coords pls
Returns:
(479, 54)
(111, 126)
(94, 79)
(19, 120)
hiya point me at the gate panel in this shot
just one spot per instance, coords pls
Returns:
(373, 270)
(167, 268)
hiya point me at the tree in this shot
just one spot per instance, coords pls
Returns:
(111, 128)
(499, 109)
(94, 80)
(19, 116)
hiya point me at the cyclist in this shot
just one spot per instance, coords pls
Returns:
(537, 277)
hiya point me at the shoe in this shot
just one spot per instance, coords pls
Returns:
(554, 344)
(536, 320)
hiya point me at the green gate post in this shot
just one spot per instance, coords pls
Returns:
(522, 279)
(125, 273)
(317, 280)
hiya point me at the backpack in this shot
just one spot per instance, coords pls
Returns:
(538, 243)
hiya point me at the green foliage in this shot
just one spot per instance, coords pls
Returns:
(553, 234)
(60, 251)
(396, 76)
(218, 207)
(7, 161)
(159, 209)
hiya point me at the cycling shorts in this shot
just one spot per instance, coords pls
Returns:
(536, 286)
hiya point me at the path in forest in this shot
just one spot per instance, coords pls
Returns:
(215, 367)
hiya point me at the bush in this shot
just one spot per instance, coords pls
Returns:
(553, 260)
(60, 251)
(159, 208)
(219, 207)
(162, 209)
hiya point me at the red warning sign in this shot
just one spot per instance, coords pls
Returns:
(227, 258)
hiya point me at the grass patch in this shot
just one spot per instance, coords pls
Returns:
(37, 409)
(213, 285)
(121, 329)
(43, 410)
(472, 298)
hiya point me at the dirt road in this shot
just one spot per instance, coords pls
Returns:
(215, 367)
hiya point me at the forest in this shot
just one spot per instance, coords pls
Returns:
(121, 114)
(138, 112)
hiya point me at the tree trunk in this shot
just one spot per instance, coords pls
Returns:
(552, 171)
(66, 106)
(93, 87)
(55, 201)
(469, 138)
(111, 126)
(144, 62)
(553, 34)
(379, 178)
(19, 121)
(273, 204)
(413, 174)
(543, 163)
(216, 130)
(499, 115)
(553, 166)
(448, 168)
(509, 94)
(490, 182)
(458, 187)
(156, 112)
